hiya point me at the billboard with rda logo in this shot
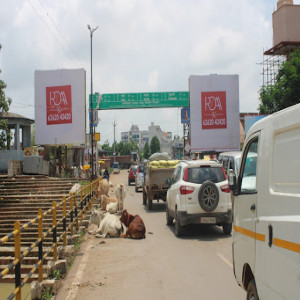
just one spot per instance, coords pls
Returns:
(60, 107)
(214, 113)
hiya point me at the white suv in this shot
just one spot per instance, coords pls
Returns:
(199, 194)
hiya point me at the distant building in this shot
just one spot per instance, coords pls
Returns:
(141, 137)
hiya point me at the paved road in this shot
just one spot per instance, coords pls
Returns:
(162, 266)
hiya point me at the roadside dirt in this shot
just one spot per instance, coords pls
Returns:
(158, 267)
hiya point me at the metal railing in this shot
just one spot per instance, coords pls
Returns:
(77, 209)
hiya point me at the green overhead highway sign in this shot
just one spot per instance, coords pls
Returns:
(140, 100)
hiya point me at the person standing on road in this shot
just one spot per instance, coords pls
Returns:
(106, 174)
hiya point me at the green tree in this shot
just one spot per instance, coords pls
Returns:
(286, 90)
(32, 134)
(5, 134)
(146, 151)
(154, 145)
(106, 147)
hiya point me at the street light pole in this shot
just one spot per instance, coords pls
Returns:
(92, 109)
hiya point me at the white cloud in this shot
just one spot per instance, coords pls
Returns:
(140, 46)
(153, 80)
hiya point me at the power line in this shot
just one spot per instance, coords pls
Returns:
(58, 30)
(52, 33)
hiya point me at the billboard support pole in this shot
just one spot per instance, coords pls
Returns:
(93, 176)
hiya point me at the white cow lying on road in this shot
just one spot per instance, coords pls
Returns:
(75, 188)
(104, 200)
(112, 207)
(108, 225)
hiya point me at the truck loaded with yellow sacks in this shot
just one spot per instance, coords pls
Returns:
(155, 186)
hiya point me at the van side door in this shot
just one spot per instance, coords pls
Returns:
(244, 237)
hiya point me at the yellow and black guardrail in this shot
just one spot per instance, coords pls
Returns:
(77, 209)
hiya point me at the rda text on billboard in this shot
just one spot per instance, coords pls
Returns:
(213, 110)
(59, 104)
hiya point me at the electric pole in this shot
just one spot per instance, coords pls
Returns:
(115, 141)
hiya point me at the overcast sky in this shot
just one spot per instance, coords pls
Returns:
(140, 46)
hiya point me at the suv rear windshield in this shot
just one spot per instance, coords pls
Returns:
(201, 174)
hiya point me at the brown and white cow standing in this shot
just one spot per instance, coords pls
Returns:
(120, 194)
(102, 189)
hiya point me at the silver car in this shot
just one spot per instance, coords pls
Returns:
(139, 178)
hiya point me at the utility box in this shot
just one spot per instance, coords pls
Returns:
(15, 167)
(36, 165)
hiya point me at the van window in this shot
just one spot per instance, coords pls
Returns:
(248, 185)
(225, 164)
(286, 162)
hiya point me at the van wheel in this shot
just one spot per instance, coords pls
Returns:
(227, 228)
(251, 291)
(178, 230)
(168, 217)
(208, 196)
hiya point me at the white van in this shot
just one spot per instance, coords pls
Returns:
(230, 161)
(266, 237)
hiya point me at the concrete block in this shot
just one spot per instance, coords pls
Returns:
(60, 265)
(82, 229)
(15, 167)
(84, 223)
(65, 252)
(37, 288)
(52, 284)
(72, 239)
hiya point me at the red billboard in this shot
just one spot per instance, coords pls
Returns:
(213, 110)
(59, 104)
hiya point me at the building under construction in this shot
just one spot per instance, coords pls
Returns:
(286, 38)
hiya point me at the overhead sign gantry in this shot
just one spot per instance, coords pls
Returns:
(140, 100)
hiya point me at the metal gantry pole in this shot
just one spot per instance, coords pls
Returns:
(92, 109)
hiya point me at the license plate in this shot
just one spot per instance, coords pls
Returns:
(208, 220)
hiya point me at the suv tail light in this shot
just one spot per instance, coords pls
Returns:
(224, 173)
(225, 188)
(185, 174)
(184, 190)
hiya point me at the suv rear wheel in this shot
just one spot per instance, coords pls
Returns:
(208, 196)
(227, 228)
(168, 217)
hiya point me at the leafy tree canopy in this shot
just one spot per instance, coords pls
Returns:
(4, 107)
(146, 151)
(106, 147)
(154, 145)
(286, 90)
(121, 147)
